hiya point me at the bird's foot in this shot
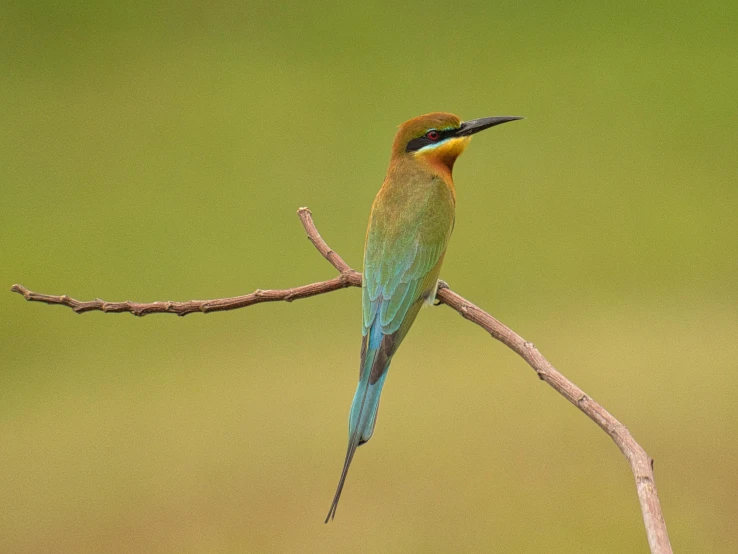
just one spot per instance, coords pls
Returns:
(441, 285)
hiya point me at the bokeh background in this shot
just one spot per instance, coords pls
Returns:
(159, 151)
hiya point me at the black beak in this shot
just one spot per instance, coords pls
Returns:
(472, 126)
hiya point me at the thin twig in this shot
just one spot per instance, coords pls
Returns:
(183, 308)
(640, 463)
(306, 216)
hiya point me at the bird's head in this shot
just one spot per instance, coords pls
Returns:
(439, 138)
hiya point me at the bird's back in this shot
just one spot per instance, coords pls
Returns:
(409, 228)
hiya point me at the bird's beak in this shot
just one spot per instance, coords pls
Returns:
(472, 126)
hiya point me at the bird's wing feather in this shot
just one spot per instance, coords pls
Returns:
(401, 266)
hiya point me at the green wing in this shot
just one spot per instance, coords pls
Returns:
(405, 246)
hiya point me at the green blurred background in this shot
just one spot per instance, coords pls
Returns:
(158, 151)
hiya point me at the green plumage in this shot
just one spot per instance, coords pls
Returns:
(409, 228)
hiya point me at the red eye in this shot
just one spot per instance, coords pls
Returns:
(433, 135)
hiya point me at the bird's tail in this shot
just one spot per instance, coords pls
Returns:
(362, 419)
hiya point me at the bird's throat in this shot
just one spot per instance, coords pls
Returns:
(441, 158)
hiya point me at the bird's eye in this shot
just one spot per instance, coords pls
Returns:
(433, 135)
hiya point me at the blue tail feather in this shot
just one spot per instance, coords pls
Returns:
(363, 416)
(363, 419)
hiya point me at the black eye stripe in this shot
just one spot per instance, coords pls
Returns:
(420, 142)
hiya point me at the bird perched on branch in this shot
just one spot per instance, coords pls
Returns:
(409, 227)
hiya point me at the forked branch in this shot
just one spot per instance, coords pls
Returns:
(640, 463)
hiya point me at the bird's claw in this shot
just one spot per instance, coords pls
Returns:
(441, 285)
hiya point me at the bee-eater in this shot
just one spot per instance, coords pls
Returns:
(409, 227)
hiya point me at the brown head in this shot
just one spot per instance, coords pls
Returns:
(438, 138)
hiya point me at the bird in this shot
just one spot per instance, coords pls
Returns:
(410, 225)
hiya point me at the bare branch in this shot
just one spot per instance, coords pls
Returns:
(640, 463)
(183, 308)
(306, 216)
